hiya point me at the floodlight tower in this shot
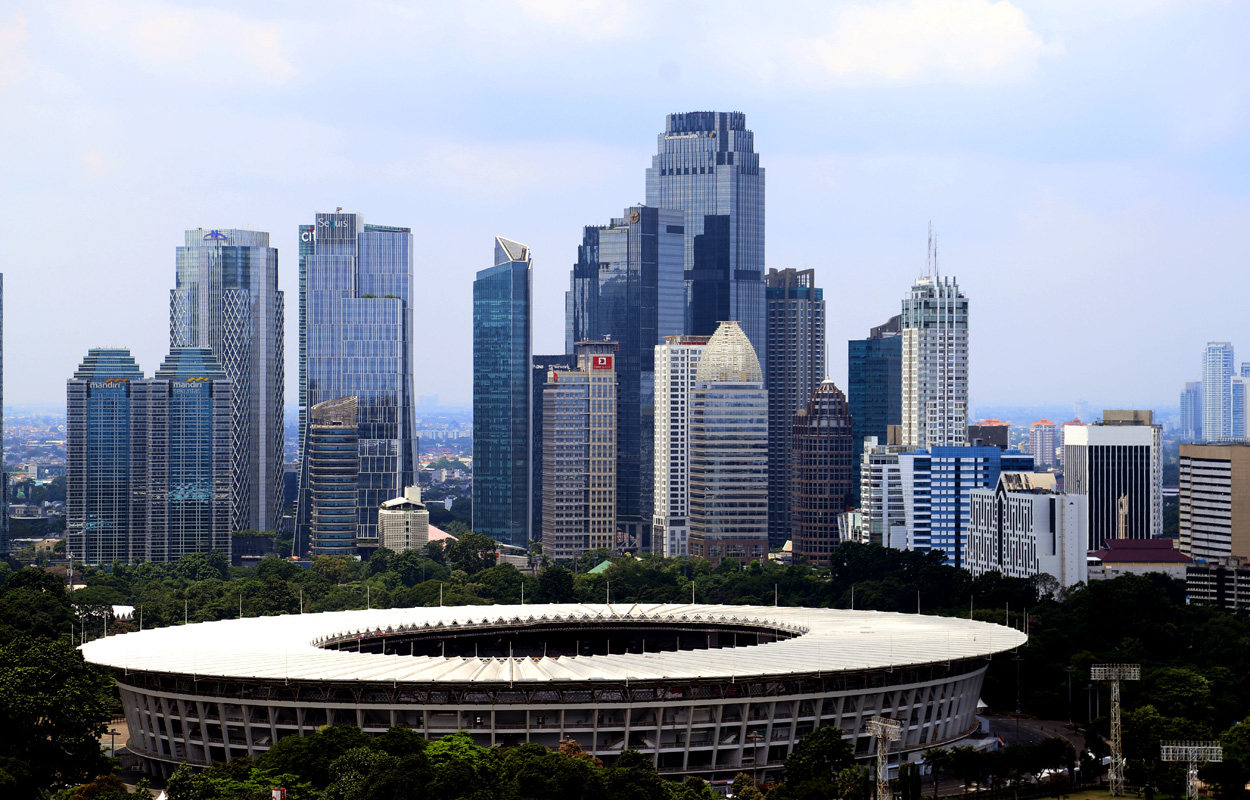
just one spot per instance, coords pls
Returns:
(1193, 754)
(1114, 673)
(884, 730)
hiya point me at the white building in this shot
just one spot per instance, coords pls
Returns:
(1025, 526)
(882, 501)
(1217, 374)
(676, 362)
(1117, 465)
(1043, 443)
(935, 364)
(404, 522)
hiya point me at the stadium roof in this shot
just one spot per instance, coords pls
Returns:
(282, 648)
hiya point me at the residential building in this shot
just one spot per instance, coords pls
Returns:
(729, 451)
(821, 472)
(1117, 465)
(1214, 504)
(331, 478)
(795, 333)
(356, 339)
(628, 286)
(1043, 443)
(579, 454)
(1217, 373)
(676, 363)
(1237, 408)
(1190, 424)
(935, 364)
(874, 390)
(707, 167)
(404, 522)
(98, 482)
(181, 458)
(541, 365)
(882, 503)
(226, 298)
(1119, 557)
(1025, 526)
(502, 348)
(990, 433)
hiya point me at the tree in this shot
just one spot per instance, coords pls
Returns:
(472, 553)
(744, 788)
(937, 760)
(820, 755)
(310, 757)
(555, 585)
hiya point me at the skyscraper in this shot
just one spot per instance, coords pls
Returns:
(676, 362)
(935, 364)
(1191, 411)
(181, 454)
(627, 286)
(1118, 466)
(729, 451)
(707, 167)
(502, 346)
(874, 389)
(795, 336)
(356, 331)
(1213, 519)
(1217, 374)
(542, 365)
(97, 455)
(821, 476)
(1043, 442)
(331, 475)
(226, 298)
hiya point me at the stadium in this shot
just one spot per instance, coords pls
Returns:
(703, 690)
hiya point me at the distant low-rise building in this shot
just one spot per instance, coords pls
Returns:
(1137, 557)
(1222, 583)
(404, 522)
(990, 433)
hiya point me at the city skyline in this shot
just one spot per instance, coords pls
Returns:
(1074, 153)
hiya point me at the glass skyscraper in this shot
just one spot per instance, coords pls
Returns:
(707, 166)
(226, 298)
(502, 346)
(627, 286)
(97, 449)
(874, 389)
(356, 335)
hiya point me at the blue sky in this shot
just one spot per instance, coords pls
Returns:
(1085, 164)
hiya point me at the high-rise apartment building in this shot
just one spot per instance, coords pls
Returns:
(181, 457)
(729, 451)
(330, 479)
(883, 507)
(226, 298)
(1025, 526)
(874, 389)
(935, 364)
(579, 454)
(1044, 443)
(1217, 374)
(820, 480)
(1191, 411)
(1214, 503)
(795, 335)
(707, 167)
(627, 286)
(542, 365)
(676, 363)
(356, 337)
(1118, 466)
(97, 456)
(502, 347)
(1237, 408)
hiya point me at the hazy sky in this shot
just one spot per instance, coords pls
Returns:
(1086, 164)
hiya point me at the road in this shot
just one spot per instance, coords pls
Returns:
(1033, 730)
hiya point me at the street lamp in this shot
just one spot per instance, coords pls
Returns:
(112, 742)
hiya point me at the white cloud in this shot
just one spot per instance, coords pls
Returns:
(12, 53)
(595, 19)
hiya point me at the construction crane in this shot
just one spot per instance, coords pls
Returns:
(1192, 754)
(1113, 674)
(884, 730)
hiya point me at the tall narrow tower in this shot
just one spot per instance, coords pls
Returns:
(935, 364)
(1217, 377)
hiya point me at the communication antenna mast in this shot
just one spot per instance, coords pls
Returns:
(1193, 754)
(884, 730)
(1114, 673)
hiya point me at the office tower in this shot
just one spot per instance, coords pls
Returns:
(1025, 526)
(795, 336)
(1217, 373)
(729, 451)
(707, 166)
(990, 432)
(937, 483)
(627, 286)
(579, 454)
(1214, 517)
(1117, 465)
(1043, 442)
(1063, 439)
(935, 364)
(1191, 411)
(181, 458)
(676, 362)
(502, 336)
(226, 298)
(883, 506)
(356, 333)
(97, 455)
(1237, 407)
(330, 476)
(538, 380)
(874, 389)
(404, 522)
(821, 472)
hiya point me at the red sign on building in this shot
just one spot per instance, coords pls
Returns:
(601, 362)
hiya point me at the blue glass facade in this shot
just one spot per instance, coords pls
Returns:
(875, 387)
(502, 347)
(627, 286)
(356, 336)
(97, 449)
(707, 166)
